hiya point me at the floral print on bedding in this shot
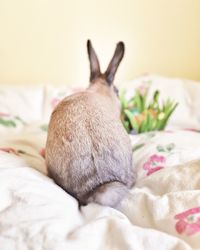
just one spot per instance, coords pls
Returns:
(164, 200)
(188, 221)
(10, 121)
(152, 152)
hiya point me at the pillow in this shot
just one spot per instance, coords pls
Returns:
(23, 102)
(35, 103)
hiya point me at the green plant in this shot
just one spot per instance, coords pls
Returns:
(140, 116)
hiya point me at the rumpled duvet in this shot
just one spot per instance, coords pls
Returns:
(162, 211)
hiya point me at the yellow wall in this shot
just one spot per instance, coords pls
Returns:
(43, 41)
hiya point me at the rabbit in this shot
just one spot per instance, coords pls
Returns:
(88, 151)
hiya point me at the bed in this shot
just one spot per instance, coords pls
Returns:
(162, 211)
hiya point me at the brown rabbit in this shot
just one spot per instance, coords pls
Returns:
(88, 152)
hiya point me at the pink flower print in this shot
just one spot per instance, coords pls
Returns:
(157, 158)
(9, 150)
(188, 221)
(154, 163)
(4, 114)
(42, 152)
(181, 226)
(192, 130)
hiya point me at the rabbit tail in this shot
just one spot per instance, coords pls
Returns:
(109, 194)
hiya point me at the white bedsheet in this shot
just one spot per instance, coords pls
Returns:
(162, 211)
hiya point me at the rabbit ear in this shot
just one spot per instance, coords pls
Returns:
(94, 62)
(114, 63)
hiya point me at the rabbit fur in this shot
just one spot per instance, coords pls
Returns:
(88, 151)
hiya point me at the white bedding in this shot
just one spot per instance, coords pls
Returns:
(162, 211)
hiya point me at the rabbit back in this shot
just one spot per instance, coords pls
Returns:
(87, 145)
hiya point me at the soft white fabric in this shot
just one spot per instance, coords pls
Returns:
(25, 102)
(162, 211)
(35, 213)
